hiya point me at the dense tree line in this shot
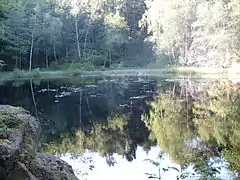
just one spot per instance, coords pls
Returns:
(195, 32)
(43, 33)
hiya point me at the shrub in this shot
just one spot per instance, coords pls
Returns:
(35, 72)
(97, 60)
(162, 61)
(17, 73)
(88, 67)
(82, 66)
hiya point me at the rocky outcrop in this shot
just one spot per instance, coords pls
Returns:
(19, 142)
(45, 165)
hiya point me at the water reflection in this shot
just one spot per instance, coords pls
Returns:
(121, 120)
(93, 166)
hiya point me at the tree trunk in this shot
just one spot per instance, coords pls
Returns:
(168, 54)
(110, 59)
(46, 58)
(31, 53)
(16, 61)
(173, 53)
(186, 51)
(109, 56)
(85, 43)
(16, 58)
(33, 98)
(54, 51)
(105, 61)
(85, 40)
(80, 107)
(77, 38)
(20, 62)
(66, 51)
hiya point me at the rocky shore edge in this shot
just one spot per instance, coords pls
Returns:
(19, 145)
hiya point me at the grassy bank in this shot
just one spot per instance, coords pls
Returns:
(40, 74)
(171, 71)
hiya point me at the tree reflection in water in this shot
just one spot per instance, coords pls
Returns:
(193, 121)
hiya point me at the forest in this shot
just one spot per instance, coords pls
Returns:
(98, 34)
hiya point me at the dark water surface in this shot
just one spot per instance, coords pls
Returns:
(136, 127)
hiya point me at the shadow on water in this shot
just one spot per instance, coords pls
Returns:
(196, 123)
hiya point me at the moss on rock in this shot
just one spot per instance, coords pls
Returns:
(46, 165)
(19, 143)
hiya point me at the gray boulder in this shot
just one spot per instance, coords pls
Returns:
(19, 142)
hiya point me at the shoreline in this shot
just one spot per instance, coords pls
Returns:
(204, 72)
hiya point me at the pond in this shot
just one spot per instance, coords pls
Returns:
(136, 127)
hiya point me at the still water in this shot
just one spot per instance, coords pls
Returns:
(136, 127)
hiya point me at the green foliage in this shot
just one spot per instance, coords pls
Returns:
(115, 20)
(202, 33)
(10, 121)
(21, 74)
(17, 73)
(103, 138)
(162, 61)
(168, 120)
(96, 60)
(114, 134)
(5, 5)
(217, 119)
(209, 118)
(89, 63)
(82, 66)
(222, 113)
(7, 125)
(232, 155)
(35, 72)
(47, 33)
